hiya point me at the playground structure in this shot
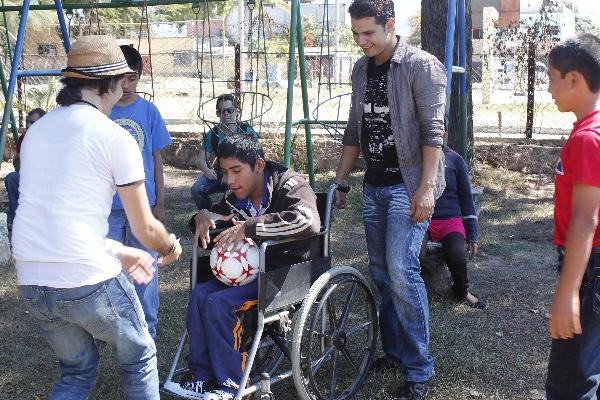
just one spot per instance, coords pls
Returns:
(332, 99)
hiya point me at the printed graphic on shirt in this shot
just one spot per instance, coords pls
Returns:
(134, 128)
(558, 169)
(378, 139)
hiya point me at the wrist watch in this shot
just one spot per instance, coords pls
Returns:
(343, 187)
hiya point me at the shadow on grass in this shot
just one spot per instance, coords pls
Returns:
(499, 353)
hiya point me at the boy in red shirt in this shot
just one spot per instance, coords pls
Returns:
(574, 324)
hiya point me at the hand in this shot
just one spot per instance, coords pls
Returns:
(210, 174)
(137, 263)
(171, 257)
(159, 212)
(232, 235)
(204, 221)
(421, 206)
(340, 199)
(564, 320)
(472, 248)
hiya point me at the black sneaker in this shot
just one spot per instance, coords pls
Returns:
(190, 389)
(412, 391)
(382, 364)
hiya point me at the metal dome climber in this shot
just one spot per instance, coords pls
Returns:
(251, 105)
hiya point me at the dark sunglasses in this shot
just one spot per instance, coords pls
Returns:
(229, 110)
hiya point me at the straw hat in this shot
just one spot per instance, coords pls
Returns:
(95, 57)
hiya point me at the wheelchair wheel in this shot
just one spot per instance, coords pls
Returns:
(335, 336)
(267, 359)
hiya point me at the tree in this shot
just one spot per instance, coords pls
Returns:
(526, 42)
(433, 40)
(586, 25)
(414, 22)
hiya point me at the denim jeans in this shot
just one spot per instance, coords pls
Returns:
(574, 364)
(393, 243)
(11, 181)
(120, 230)
(204, 187)
(71, 318)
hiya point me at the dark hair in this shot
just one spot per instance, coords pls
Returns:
(581, 54)
(133, 57)
(40, 113)
(71, 91)
(223, 98)
(382, 10)
(241, 147)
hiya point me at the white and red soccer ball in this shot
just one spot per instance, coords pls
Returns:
(235, 265)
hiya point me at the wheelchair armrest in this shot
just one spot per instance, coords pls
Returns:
(264, 245)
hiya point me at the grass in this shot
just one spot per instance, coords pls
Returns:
(499, 353)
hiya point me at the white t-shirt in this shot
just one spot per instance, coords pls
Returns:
(72, 159)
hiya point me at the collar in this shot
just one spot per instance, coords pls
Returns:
(246, 204)
(586, 120)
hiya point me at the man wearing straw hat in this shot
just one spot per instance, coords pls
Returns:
(73, 280)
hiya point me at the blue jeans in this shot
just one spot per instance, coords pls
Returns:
(71, 318)
(120, 230)
(574, 364)
(204, 187)
(393, 243)
(11, 181)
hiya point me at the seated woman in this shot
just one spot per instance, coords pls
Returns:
(454, 221)
(265, 201)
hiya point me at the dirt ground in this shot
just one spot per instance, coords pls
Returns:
(499, 353)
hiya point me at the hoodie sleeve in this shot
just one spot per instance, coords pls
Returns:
(465, 198)
(297, 216)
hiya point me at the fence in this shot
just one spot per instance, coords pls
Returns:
(180, 74)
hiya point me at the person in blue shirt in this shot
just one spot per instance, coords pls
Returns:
(142, 119)
(211, 180)
(454, 222)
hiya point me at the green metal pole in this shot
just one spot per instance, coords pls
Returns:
(464, 145)
(121, 4)
(13, 123)
(287, 145)
(307, 129)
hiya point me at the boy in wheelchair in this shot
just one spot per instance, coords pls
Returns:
(265, 201)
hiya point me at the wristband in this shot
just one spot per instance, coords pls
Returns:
(173, 245)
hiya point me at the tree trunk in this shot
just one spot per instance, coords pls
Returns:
(433, 40)
(530, 87)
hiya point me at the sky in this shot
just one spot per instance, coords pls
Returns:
(405, 8)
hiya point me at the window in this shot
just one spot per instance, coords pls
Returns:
(477, 33)
(46, 49)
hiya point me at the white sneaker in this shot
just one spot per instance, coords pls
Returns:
(218, 395)
(190, 389)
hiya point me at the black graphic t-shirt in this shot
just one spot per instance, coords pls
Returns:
(377, 138)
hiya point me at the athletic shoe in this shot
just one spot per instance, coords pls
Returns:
(412, 391)
(190, 389)
(218, 395)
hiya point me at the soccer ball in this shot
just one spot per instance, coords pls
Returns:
(235, 267)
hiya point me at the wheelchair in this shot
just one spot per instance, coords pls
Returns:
(314, 322)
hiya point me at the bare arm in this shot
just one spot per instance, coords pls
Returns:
(349, 156)
(149, 231)
(159, 186)
(564, 320)
(204, 167)
(423, 201)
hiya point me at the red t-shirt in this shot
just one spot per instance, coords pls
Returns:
(579, 163)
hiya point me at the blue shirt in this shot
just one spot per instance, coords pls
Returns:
(144, 122)
(457, 198)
